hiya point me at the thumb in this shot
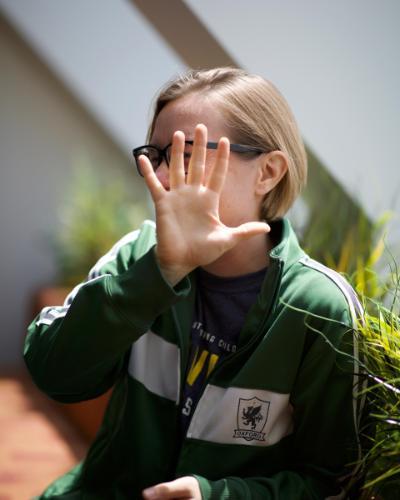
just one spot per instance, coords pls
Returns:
(249, 229)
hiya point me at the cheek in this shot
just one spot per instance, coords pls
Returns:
(162, 174)
(232, 204)
(238, 203)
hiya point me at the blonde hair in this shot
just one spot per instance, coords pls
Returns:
(257, 114)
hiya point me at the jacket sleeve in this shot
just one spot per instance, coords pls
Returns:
(325, 437)
(76, 351)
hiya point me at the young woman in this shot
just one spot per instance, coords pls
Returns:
(225, 343)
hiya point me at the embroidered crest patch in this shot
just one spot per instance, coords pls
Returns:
(252, 415)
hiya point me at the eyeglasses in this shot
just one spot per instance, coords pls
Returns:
(156, 155)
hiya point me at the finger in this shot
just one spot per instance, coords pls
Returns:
(218, 174)
(155, 187)
(198, 157)
(250, 229)
(166, 490)
(183, 487)
(176, 164)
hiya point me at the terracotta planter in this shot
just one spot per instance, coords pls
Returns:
(88, 415)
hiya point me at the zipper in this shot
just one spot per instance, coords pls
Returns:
(256, 337)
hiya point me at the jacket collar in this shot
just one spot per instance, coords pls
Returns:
(287, 250)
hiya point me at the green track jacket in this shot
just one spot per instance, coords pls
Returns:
(277, 418)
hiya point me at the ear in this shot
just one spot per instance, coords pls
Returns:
(273, 166)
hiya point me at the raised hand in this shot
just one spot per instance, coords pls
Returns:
(189, 230)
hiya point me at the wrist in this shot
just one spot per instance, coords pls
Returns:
(172, 273)
(173, 276)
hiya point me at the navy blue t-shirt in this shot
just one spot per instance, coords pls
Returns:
(221, 306)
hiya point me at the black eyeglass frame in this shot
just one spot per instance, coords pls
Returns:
(163, 152)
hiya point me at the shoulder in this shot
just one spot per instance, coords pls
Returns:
(321, 291)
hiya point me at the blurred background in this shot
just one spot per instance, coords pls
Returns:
(77, 80)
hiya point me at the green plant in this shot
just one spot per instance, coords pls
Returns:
(351, 245)
(379, 340)
(98, 211)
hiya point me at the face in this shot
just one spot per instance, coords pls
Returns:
(239, 202)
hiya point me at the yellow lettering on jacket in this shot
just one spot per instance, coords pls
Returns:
(198, 365)
(212, 363)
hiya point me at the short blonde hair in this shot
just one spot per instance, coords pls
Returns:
(257, 114)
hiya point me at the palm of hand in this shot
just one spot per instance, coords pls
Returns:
(189, 229)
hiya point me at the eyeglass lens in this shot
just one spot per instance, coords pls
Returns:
(156, 155)
(152, 153)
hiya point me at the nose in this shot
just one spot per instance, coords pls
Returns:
(162, 174)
